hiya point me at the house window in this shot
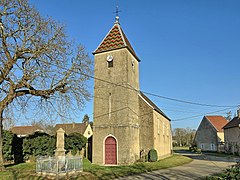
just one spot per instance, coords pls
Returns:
(202, 146)
(212, 147)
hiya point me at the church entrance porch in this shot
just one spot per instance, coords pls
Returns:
(110, 151)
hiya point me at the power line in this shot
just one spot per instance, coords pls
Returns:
(173, 110)
(121, 109)
(148, 93)
(186, 102)
(181, 119)
(151, 94)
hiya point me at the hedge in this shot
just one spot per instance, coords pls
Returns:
(37, 144)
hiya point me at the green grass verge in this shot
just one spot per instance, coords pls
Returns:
(92, 171)
(180, 148)
(109, 172)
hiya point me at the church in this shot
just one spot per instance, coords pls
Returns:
(126, 123)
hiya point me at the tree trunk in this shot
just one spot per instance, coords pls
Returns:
(1, 143)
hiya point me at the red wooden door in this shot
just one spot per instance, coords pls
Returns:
(110, 151)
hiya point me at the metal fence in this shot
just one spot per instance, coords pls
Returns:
(59, 165)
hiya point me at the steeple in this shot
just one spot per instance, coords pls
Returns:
(115, 39)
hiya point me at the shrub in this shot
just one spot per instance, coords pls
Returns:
(193, 148)
(75, 142)
(17, 149)
(7, 145)
(38, 144)
(152, 155)
(12, 147)
(232, 173)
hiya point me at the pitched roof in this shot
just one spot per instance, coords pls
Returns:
(25, 130)
(115, 39)
(151, 104)
(217, 121)
(72, 128)
(233, 123)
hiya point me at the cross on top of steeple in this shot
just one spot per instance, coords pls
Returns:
(117, 14)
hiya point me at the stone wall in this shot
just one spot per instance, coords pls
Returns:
(155, 131)
(146, 126)
(162, 135)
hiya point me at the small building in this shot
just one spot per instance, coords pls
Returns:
(232, 135)
(210, 135)
(23, 131)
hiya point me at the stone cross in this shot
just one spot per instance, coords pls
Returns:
(60, 151)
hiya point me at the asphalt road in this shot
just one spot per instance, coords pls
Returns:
(201, 166)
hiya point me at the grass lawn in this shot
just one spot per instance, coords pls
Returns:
(91, 171)
(181, 148)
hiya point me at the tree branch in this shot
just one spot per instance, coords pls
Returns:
(10, 61)
(43, 93)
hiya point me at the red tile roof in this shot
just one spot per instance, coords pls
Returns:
(25, 130)
(217, 121)
(115, 39)
(233, 123)
(72, 128)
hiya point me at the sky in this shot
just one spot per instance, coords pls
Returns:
(189, 50)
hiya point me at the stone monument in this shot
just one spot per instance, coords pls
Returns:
(60, 151)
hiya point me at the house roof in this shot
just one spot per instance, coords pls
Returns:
(25, 130)
(233, 123)
(217, 121)
(154, 106)
(72, 128)
(115, 39)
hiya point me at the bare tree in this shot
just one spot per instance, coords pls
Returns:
(85, 119)
(8, 123)
(183, 136)
(229, 116)
(40, 69)
(46, 125)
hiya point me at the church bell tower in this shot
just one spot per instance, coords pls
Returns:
(116, 90)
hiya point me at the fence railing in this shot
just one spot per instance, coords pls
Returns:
(59, 165)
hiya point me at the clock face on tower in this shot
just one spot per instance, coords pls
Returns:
(109, 58)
